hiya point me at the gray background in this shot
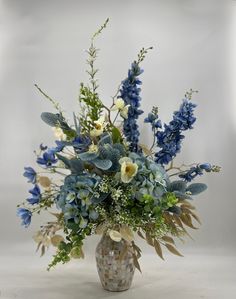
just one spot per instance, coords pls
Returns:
(44, 42)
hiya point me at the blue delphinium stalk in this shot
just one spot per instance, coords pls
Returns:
(130, 93)
(36, 195)
(197, 170)
(30, 174)
(25, 216)
(169, 140)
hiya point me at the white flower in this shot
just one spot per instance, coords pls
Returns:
(99, 126)
(115, 235)
(93, 148)
(124, 112)
(121, 107)
(58, 133)
(128, 169)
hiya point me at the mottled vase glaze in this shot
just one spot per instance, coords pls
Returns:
(115, 264)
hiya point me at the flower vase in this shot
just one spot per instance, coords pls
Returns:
(115, 264)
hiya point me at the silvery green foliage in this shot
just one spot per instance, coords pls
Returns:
(196, 188)
(182, 191)
(55, 120)
(108, 155)
(75, 165)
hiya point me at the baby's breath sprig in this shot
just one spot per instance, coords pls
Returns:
(55, 104)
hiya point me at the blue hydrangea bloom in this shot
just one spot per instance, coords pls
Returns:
(25, 216)
(30, 174)
(36, 195)
(169, 140)
(48, 158)
(75, 198)
(130, 93)
(195, 171)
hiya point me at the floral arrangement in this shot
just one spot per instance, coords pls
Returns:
(102, 180)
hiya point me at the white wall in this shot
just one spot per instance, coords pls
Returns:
(44, 41)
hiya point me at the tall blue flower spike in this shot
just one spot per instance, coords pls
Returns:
(198, 170)
(169, 140)
(130, 93)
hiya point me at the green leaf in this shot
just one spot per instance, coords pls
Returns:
(116, 135)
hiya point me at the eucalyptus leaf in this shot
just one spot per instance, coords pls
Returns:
(76, 165)
(196, 188)
(178, 186)
(102, 164)
(87, 156)
(51, 119)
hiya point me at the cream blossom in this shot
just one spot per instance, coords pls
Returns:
(99, 126)
(58, 133)
(128, 169)
(93, 148)
(121, 107)
(115, 235)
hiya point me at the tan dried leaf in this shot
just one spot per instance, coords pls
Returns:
(168, 240)
(158, 249)
(56, 240)
(38, 237)
(136, 263)
(100, 229)
(42, 250)
(123, 252)
(149, 239)
(140, 234)
(186, 219)
(172, 249)
(196, 217)
(44, 181)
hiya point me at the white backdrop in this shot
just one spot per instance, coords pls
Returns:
(44, 42)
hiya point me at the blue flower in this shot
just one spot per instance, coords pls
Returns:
(36, 195)
(130, 93)
(43, 147)
(60, 146)
(198, 170)
(30, 174)
(25, 216)
(48, 158)
(80, 143)
(169, 140)
(153, 119)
